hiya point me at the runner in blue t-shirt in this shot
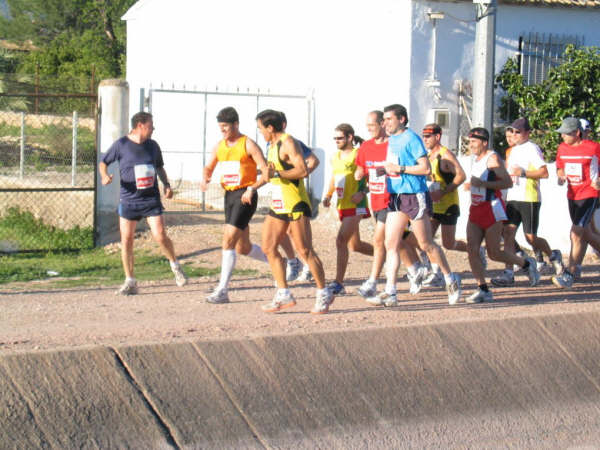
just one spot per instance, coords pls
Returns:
(407, 167)
(140, 162)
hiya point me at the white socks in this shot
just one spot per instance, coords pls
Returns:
(227, 265)
(257, 253)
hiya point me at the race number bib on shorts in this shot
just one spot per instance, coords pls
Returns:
(340, 185)
(277, 203)
(144, 176)
(376, 183)
(574, 172)
(230, 173)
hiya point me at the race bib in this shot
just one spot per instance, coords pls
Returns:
(230, 173)
(574, 172)
(277, 204)
(376, 183)
(144, 176)
(340, 184)
(477, 195)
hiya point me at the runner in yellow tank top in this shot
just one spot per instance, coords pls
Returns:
(352, 203)
(290, 209)
(237, 157)
(447, 174)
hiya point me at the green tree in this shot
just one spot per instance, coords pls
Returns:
(71, 35)
(571, 89)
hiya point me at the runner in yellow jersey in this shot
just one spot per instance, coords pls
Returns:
(352, 202)
(238, 158)
(290, 209)
(447, 174)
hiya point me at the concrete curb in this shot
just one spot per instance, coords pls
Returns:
(530, 382)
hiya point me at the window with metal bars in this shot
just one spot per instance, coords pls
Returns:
(540, 52)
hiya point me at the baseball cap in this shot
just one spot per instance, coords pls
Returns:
(521, 124)
(479, 133)
(432, 128)
(568, 125)
(585, 124)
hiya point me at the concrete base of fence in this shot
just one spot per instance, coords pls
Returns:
(527, 382)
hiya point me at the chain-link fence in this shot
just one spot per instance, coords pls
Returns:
(47, 171)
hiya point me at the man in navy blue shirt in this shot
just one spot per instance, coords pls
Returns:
(140, 163)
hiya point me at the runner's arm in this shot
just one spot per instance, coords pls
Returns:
(459, 173)
(256, 154)
(503, 180)
(290, 153)
(104, 175)
(209, 169)
(312, 162)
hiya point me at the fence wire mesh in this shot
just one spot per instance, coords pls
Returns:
(47, 171)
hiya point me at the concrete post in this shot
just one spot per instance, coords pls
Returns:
(483, 76)
(113, 101)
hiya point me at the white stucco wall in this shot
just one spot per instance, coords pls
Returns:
(353, 56)
(455, 41)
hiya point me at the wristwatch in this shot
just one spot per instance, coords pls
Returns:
(402, 169)
(276, 174)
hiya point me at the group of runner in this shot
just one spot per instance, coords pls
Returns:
(412, 183)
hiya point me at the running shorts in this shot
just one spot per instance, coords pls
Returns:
(351, 212)
(582, 211)
(527, 213)
(237, 213)
(450, 217)
(135, 212)
(486, 214)
(300, 210)
(380, 215)
(415, 206)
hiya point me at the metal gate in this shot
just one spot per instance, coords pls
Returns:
(48, 175)
(186, 129)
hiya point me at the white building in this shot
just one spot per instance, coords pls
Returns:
(344, 58)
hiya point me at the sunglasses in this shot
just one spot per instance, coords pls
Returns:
(339, 138)
(425, 136)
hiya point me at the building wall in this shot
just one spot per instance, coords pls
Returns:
(350, 56)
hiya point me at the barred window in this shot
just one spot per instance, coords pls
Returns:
(540, 52)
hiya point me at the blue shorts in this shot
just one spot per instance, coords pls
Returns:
(138, 212)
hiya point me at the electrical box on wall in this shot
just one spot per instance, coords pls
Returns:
(442, 118)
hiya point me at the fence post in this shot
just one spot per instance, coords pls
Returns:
(113, 102)
(22, 155)
(74, 152)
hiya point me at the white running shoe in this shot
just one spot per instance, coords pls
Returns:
(323, 302)
(519, 269)
(454, 289)
(532, 273)
(416, 282)
(383, 299)
(435, 279)
(181, 278)
(128, 288)
(564, 280)
(505, 279)
(218, 296)
(305, 275)
(480, 296)
(367, 289)
(292, 269)
(544, 268)
(280, 301)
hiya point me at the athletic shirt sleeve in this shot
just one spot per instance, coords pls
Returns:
(112, 154)
(158, 161)
(560, 164)
(416, 148)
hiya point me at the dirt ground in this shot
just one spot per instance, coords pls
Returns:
(33, 317)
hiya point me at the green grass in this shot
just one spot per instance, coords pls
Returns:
(27, 232)
(90, 267)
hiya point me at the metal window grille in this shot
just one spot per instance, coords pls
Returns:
(540, 52)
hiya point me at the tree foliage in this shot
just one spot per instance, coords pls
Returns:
(73, 37)
(571, 89)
